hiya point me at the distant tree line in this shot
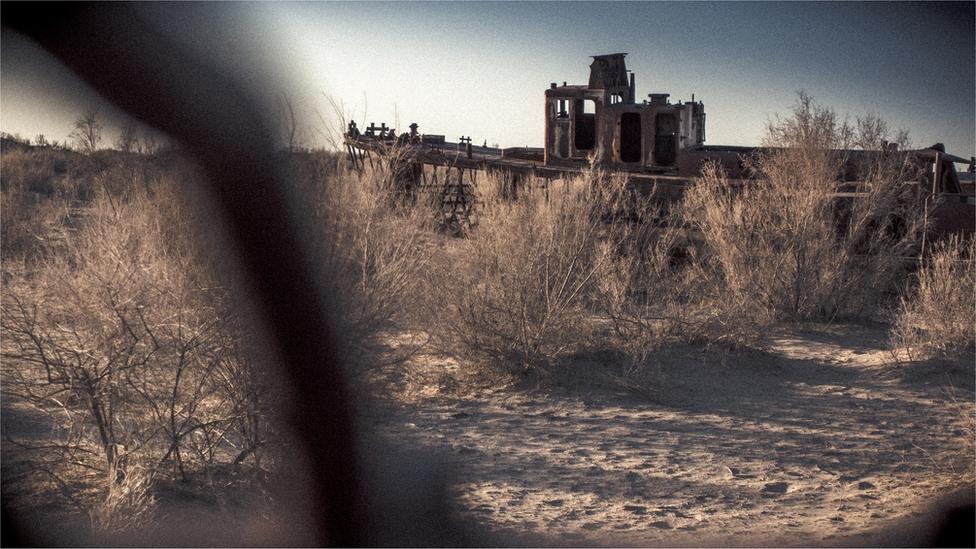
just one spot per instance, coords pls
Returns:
(88, 135)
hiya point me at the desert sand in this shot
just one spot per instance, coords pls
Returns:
(820, 437)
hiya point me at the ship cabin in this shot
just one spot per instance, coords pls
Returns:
(603, 118)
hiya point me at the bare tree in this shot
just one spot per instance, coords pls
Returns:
(148, 145)
(128, 138)
(88, 131)
(872, 132)
(288, 122)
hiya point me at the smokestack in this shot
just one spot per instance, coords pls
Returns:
(632, 88)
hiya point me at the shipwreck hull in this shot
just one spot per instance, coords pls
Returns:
(657, 146)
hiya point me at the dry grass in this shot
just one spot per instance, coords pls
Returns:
(938, 316)
(127, 507)
(35, 195)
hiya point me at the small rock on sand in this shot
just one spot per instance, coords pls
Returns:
(735, 472)
(864, 485)
(636, 509)
(663, 524)
(776, 487)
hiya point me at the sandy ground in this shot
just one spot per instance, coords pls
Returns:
(819, 438)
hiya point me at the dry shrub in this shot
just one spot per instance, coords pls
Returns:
(938, 316)
(42, 188)
(34, 200)
(514, 292)
(31, 222)
(652, 293)
(122, 333)
(784, 247)
(372, 249)
(127, 506)
(125, 338)
(43, 171)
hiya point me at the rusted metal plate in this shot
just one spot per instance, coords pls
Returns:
(953, 213)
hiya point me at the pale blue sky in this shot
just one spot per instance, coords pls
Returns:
(480, 69)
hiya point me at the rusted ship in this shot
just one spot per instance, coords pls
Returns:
(653, 142)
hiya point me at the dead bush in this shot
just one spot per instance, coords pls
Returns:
(31, 222)
(34, 199)
(652, 293)
(785, 247)
(372, 249)
(86, 318)
(124, 338)
(937, 317)
(514, 291)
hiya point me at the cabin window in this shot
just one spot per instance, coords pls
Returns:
(630, 137)
(561, 110)
(616, 98)
(585, 115)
